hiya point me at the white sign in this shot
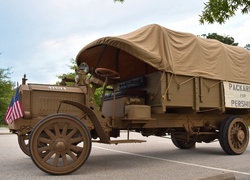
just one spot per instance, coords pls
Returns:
(237, 95)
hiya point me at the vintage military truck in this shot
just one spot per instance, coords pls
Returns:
(155, 82)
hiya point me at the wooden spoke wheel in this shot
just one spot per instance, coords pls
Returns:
(182, 144)
(234, 136)
(59, 144)
(23, 141)
(108, 73)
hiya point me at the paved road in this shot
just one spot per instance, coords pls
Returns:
(156, 159)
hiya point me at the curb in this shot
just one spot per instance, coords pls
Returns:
(4, 131)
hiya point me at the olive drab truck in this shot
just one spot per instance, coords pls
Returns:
(154, 81)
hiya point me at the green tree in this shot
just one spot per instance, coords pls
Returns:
(225, 39)
(220, 10)
(6, 92)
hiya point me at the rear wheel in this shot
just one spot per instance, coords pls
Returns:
(60, 144)
(182, 144)
(23, 141)
(234, 136)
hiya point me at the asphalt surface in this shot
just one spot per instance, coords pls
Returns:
(156, 159)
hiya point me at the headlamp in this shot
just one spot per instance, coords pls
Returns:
(84, 67)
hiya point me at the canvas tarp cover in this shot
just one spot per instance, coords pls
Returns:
(154, 47)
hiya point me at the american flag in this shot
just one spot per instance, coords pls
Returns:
(14, 110)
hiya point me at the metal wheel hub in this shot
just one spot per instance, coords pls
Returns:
(240, 135)
(60, 144)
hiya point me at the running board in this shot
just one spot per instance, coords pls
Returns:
(126, 141)
(122, 141)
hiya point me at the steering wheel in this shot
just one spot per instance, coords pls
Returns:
(108, 73)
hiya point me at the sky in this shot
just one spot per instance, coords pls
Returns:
(39, 38)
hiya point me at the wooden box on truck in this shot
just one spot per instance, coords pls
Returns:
(184, 94)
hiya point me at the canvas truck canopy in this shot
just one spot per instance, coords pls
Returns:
(154, 47)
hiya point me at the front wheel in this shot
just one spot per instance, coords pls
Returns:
(59, 144)
(234, 136)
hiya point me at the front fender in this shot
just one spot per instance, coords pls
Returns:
(94, 119)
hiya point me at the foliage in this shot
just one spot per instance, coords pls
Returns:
(225, 39)
(221, 10)
(119, 1)
(247, 46)
(98, 96)
(71, 75)
(6, 92)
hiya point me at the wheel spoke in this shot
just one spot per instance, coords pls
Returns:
(44, 140)
(76, 140)
(57, 131)
(238, 126)
(45, 148)
(238, 144)
(72, 155)
(72, 133)
(48, 156)
(49, 133)
(65, 128)
(65, 161)
(76, 149)
(241, 127)
(56, 159)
